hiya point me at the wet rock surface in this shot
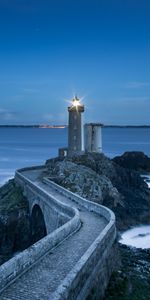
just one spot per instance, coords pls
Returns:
(132, 280)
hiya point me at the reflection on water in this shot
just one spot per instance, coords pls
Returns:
(23, 147)
(138, 237)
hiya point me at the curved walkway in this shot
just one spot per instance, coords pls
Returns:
(47, 274)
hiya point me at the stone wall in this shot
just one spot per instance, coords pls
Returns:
(23, 261)
(55, 213)
(90, 276)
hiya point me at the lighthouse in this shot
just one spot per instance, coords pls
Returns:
(92, 132)
(75, 126)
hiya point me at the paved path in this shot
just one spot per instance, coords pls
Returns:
(44, 277)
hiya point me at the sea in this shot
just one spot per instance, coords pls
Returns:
(21, 147)
(138, 237)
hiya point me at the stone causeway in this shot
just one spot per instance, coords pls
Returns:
(74, 261)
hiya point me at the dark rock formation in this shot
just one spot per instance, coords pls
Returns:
(132, 280)
(134, 160)
(15, 234)
(93, 176)
(82, 180)
(100, 179)
(131, 207)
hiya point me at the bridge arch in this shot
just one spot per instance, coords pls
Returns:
(38, 226)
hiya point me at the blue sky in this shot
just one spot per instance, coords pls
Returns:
(52, 49)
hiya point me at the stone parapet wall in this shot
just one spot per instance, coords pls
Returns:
(89, 205)
(55, 204)
(91, 274)
(89, 277)
(42, 167)
(23, 261)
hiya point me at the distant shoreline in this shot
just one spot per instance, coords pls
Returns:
(33, 126)
(65, 126)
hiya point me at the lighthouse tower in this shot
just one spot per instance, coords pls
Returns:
(93, 137)
(75, 127)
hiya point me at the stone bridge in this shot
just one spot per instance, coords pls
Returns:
(76, 257)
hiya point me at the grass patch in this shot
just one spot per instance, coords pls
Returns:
(11, 197)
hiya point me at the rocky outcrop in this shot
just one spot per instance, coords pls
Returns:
(134, 160)
(131, 281)
(82, 180)
(93, 176)
(100, 179)
(15, 234)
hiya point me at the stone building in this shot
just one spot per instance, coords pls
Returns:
(92, 132)
(93, 137)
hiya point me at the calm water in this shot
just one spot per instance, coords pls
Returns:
(21, 147)
(138, 237)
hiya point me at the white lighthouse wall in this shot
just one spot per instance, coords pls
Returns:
(96, 139)
(87, 137)
(82, 134)
(92, 138)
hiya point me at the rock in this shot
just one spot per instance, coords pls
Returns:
(82, 180)
(92, 176)
(15, 234)
(98, 178)
(134, 160)
(136, 197)
(98, 162)
(132, 279)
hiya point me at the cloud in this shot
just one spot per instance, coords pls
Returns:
(137, 84)
(6, 115)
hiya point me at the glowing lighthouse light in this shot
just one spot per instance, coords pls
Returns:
(76, 102)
